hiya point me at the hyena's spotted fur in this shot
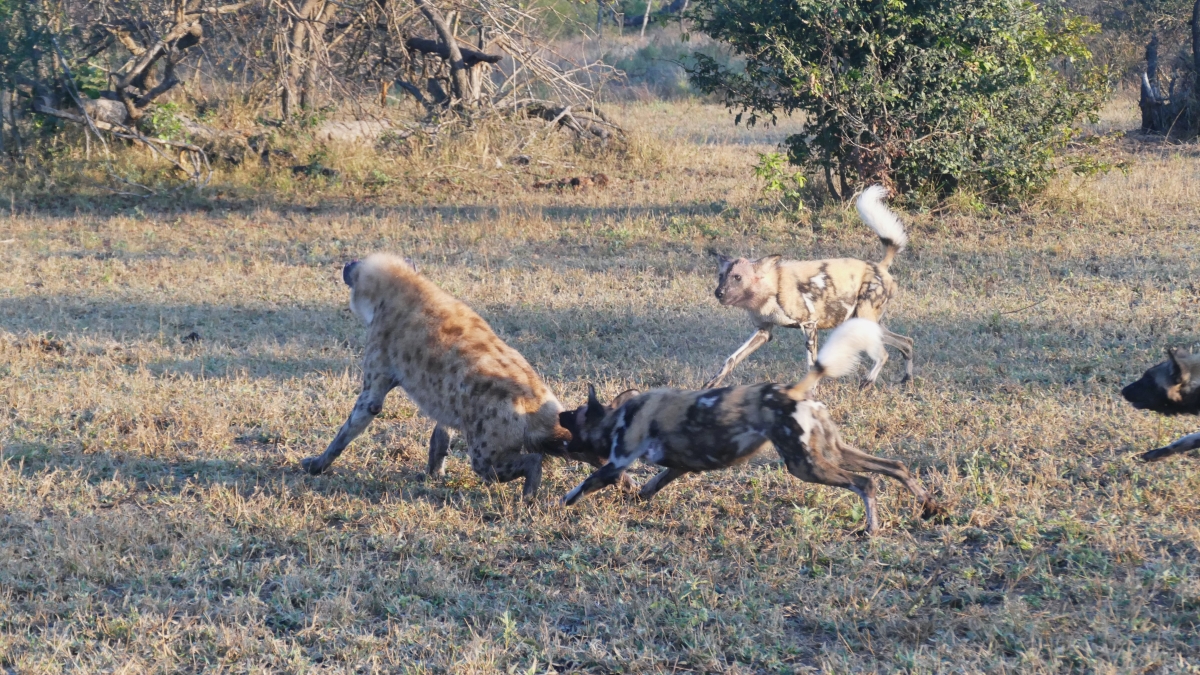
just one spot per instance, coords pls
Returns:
(692, 431)
(457, 371)
(815, 295)
(1169, 388)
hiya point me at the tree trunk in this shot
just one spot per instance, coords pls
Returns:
(1196, 47)
(460, 87)
(301, 66)
(646, 17)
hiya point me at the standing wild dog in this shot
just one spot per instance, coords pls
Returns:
(815, 295)
(457, 371)
(1169, 388)
(691, 431)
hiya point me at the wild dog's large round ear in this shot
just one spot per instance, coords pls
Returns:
(595, 409)
(624, 396)
(1181, 374)
(348, 272)
(767, 261)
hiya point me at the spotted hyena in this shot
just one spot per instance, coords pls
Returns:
(1169, 388)
(457, 371)
(815, 295)
(692, 431)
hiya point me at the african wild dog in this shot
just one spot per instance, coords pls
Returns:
(457, 371)
(691, 431)
(814, 295)
(1169, 388)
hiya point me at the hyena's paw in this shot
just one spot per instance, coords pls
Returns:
(313, 465)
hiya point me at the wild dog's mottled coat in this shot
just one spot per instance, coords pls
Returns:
(691, 431)
(457, 371)
(815, 295)
(1169, 388)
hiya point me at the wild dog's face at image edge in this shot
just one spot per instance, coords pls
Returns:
(738, 280)
(1169, 387)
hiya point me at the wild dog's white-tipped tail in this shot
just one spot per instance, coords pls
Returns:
(882, 221)
(841, 353)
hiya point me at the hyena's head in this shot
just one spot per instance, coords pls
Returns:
(353, 273)
(1171, 387)
(586, 425)
(742, 283)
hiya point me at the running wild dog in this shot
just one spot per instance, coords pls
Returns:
(815, 295)
(692, 431)
(457, 371)
(1169, 388)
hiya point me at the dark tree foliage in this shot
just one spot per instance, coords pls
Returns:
(925, 95)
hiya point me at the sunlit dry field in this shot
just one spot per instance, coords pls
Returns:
(164, 368)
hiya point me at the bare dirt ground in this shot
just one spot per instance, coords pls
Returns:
(164, 367)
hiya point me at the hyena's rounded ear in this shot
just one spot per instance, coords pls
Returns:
(595, 409)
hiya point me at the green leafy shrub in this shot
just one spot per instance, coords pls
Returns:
(780, 183)
(926, 95)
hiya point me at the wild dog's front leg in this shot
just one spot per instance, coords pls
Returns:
(810, 333)
(1189, 442)
(439, 447)
(368, 405)
(612, 472)
(761, 337)
(654, 485)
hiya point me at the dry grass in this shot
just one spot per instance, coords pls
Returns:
(153, 516)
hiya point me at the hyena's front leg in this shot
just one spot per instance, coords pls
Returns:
(1189, 442)
(368, 405)
(439, 447)
(514, 465)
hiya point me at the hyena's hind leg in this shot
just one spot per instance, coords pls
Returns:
(368, 405)
(853, 459)
(439, 447)
(904, 345)
(1189, 442)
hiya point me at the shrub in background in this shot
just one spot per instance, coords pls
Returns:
(925, 95)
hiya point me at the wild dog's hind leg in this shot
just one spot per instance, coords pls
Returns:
(368, 405)
(439, 447)
(761, 337)
(904, 345)
(811, 467)
(659, 482)
(1189, 442)
(854, 459)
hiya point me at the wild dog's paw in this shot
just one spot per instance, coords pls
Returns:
(931, 509)
(1156, 454)
(573, 496)
(313, 465)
